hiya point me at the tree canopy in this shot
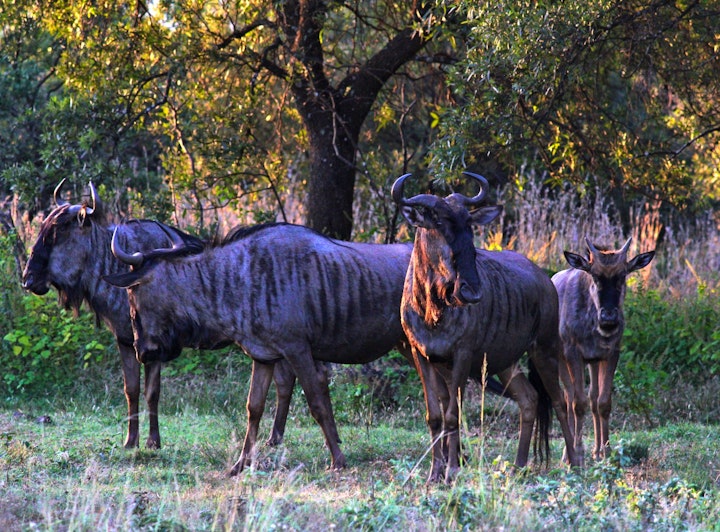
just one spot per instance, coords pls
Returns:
(307, 110)
(618, 93)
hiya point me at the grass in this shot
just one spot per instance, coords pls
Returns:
(72, 474)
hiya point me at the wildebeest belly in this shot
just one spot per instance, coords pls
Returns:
(496, 347)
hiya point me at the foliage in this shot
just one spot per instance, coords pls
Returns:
(192, 101)
(48, 348)
(666, 341)
(51, 132)
(622, 93)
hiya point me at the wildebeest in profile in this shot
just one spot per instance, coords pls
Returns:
(591, 297)
(463, 307)
(281, 292)
(72, 254)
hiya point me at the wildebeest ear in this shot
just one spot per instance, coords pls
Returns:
(485, 215)
(418, 216)
(123, 280)
(577, 261)
(640, 261)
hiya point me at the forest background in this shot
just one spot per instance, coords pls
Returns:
(599, 118)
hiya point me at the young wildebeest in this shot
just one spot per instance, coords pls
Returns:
(591, 327)
(463, 307)
(281, 292)
(72, 253)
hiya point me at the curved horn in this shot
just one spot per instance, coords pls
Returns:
(591, 247)
(626, 246)
(484, 186)
(133, 259)
(397, 189)
(93, 196)
(426, 200)
(58, 202)
(176, 239)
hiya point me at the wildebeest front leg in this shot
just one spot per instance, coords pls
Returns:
(259, 383)
(431, 383)
(527, 399)
(456, 389)
(601, 379)
(131, 382)
(152, 397)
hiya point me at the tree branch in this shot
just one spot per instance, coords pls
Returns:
(239, 33)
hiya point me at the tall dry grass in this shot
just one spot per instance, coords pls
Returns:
(541, 223)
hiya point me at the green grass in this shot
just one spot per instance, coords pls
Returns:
(72, 474)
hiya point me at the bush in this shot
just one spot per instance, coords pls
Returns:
(673, 335)
(48, 347)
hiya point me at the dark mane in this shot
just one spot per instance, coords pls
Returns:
(243, 231)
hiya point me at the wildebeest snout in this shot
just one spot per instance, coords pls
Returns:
(468, 294)
(609, 318)
(34, 284)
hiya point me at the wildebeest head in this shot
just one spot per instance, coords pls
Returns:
(609, 270)
(447, 240)
(59, 255)
(171, 336)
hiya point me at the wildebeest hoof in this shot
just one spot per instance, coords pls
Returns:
(239, 466)
(273, 441)
(152, 443)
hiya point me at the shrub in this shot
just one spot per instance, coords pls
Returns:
(47, 347)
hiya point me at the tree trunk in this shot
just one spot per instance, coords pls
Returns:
(331, 183)
(8, 227)
(333, 116)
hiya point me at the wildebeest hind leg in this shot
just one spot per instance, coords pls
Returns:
(318, 399)
(526, 397)
(259, 384)
(284, 378)
(547, 366)
(152, 397)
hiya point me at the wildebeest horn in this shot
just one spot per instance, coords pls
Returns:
(133, 259)
(93, 196)
(475, 200)
(176, 239)
(397, 189)
(591, 247)
(626, 246)
(426, 200)
(59, 202)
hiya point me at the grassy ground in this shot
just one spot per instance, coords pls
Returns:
(62, 468)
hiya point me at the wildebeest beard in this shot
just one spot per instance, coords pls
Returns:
(434, 293)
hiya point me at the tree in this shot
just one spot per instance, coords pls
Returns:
(623, 93)
(202, 90)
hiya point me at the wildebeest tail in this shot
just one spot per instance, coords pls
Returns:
(541, 449)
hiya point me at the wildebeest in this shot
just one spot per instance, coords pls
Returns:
(72, 253)
(463, 307)
(591, 297)
(281, 292)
